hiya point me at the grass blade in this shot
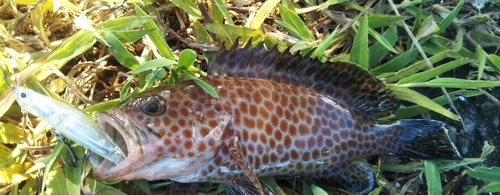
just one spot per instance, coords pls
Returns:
(432, 177)
(419, 99)
(359, 51)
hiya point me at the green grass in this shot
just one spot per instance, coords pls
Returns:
(377, 41)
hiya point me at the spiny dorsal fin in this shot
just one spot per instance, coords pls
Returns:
(343, 81)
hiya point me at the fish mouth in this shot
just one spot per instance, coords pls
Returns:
(129, 140)
(145, 157)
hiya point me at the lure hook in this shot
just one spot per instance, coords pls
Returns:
(74, 158)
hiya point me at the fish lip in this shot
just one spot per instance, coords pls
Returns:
(115, 126)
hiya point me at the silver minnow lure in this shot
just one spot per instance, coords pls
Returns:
(70, 122)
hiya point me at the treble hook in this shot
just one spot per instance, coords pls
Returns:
(74, 158)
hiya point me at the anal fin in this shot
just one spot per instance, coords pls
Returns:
(354, 177)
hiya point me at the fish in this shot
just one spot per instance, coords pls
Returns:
(70, 122)
(278, 114)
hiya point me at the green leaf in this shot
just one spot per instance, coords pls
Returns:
(484, 39)
(223, 9)
(381, 40)
(381, 20)
(186, 58)
(324, 44)
(156, 37)
(359, 51)
(432, 177)
(130, 36)
(263, 13)
(487, 149)
(449, 19)
(124, 23)
(317, 190)
(231, 32)
(379, 51)
(201, 33)
(74, 174)
(419, 99)
(472, 191)
(294, 24)
(119, 51)
(205, 86)
(428, 74)
(152, 64)
(102, 189)
(411, 111)
(485, 173)
(397, 63)
(74, 46)
(189, 7)
(454, 83)
(103, 106)
(481, 61)
(415, 67)
(492, 187)
(495, 62)
(327, 4)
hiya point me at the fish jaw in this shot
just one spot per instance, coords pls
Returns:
(145, 158)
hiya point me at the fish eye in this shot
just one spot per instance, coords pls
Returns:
(153, 106)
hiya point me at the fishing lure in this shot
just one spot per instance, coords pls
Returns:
(69, 122)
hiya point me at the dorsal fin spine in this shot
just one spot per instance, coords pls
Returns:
(343, 81)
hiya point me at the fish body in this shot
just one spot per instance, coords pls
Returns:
(278, 115)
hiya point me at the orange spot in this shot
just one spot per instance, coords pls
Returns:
(184, 112)
(212, 123)
(161, 132)
(173, 113)
(249, 122)
(182, 122)
(288, 141)
(140, 118)
(263, 138)
(254, 110)
(157, 122)
(188, 145)
(303, 102)
(187, 133)
(309, 166)
(201, 147)
(306, 156)
(254, 137)
(269, 128)
(265, 92)
(167, 142)
(275, 120)
(265, 159)
(278, 135)
(269, 105)
(166, 121)
(243, 107)
(303, 129)
(174, 129)
(294, 154)
(260, 123)
(218, 160)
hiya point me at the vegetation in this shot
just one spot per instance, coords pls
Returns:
(108, 51)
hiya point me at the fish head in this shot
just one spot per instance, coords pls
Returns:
(168, 133)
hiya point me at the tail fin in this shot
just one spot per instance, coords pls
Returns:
(427, 139)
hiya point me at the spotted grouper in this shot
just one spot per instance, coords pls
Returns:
(278, 114)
